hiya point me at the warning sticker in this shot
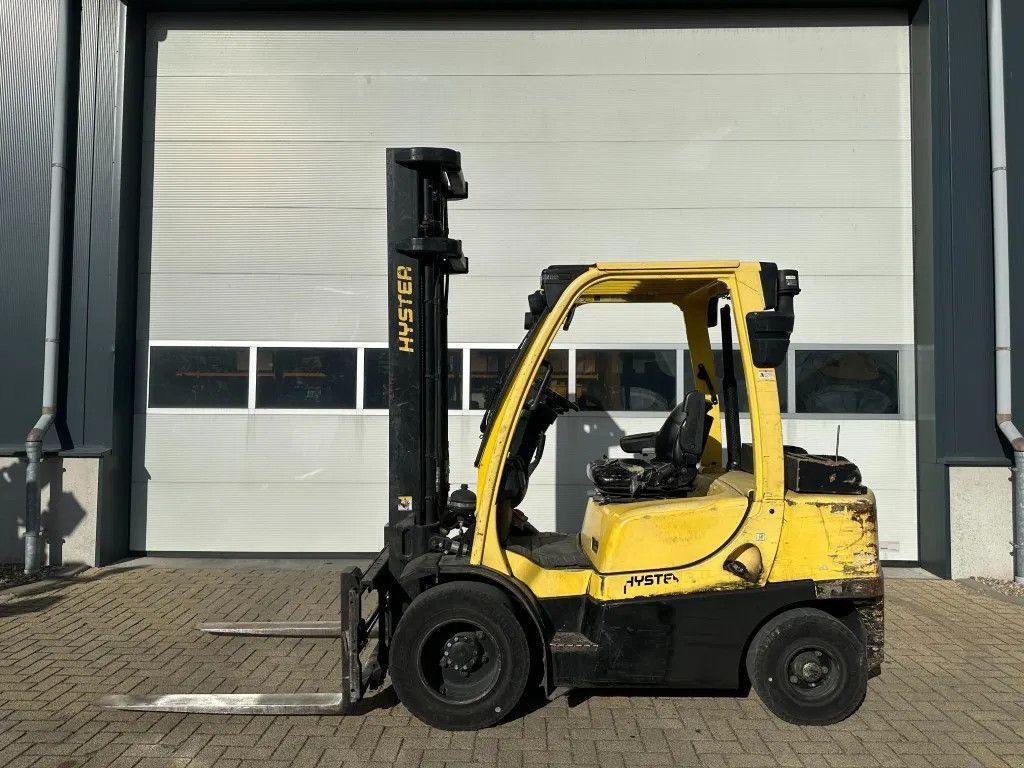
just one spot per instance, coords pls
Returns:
(768, 375)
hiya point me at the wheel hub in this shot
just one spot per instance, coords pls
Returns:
(808, 669)
(812, 672)
(462, 652)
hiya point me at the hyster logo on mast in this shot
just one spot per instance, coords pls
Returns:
(405, 314)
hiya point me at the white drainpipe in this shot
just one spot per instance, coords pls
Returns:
(51, 344)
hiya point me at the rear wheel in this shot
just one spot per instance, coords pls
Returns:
(459, 659)
(808, 667)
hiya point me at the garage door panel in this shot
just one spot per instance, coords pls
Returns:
(897, 523)
(535, 44)
(883, 449)
(226, 516)
(304, 308)
(234, 239)
(866, 241)
(530, 109)
(852, 309)
(776, 136)
(304, 449)
(548, 176)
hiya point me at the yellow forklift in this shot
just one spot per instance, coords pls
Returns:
(703, 562)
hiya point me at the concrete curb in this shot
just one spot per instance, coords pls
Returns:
(987, 591)
(63, 577)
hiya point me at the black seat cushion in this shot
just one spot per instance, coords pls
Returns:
(550, 550)
(678, 446)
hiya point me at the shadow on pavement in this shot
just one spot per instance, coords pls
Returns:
(28, 605)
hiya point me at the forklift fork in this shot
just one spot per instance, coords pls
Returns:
(357, 677)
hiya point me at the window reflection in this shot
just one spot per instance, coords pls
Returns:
(375, 378)
(486, 367)
(198, 377)
(288, 377)
(847, 381)
(625, 380)
(781, 375)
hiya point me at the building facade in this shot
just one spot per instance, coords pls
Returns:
(222, 380)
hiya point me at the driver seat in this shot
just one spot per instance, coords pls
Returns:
(677, 448)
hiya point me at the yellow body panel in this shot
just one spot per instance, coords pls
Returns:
(681, 545)
(544, 582)
(806, 538)
(656, 534)
(828, 537)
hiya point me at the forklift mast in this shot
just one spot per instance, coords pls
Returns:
(421, 257)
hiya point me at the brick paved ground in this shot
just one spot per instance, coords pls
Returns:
(951, 694)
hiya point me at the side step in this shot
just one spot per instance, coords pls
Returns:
(232, 703)
(574, 658)
(572, 642)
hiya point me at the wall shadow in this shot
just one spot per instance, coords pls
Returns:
(61, 514)
(580, 438)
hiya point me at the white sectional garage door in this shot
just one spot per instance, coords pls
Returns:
(262, 290)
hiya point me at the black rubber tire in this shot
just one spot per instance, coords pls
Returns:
(454, 604)
(785, 638)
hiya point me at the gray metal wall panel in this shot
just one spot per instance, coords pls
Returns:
(969, 429)
(1013, 33)
(953, 254)
(28, 32)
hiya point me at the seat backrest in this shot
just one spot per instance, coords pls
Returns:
(682, 437)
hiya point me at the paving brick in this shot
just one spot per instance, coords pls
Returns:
(951, 693)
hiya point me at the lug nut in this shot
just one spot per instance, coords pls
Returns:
(794, 679)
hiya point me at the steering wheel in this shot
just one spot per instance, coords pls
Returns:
(558, 403)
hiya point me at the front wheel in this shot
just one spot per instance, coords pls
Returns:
(808, 667)
(459, 657)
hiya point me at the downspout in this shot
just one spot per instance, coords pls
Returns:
(1001, 264)
(34, 441)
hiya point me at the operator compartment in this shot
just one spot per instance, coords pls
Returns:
(653, 534)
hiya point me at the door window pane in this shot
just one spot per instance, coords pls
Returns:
(198, 377)
(625, 380)
(289, 377)
(847, 381)
(781, 376)
(375, 381)
(486, 367)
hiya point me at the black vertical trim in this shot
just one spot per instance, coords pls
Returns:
(930, 139)
(114, 507)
